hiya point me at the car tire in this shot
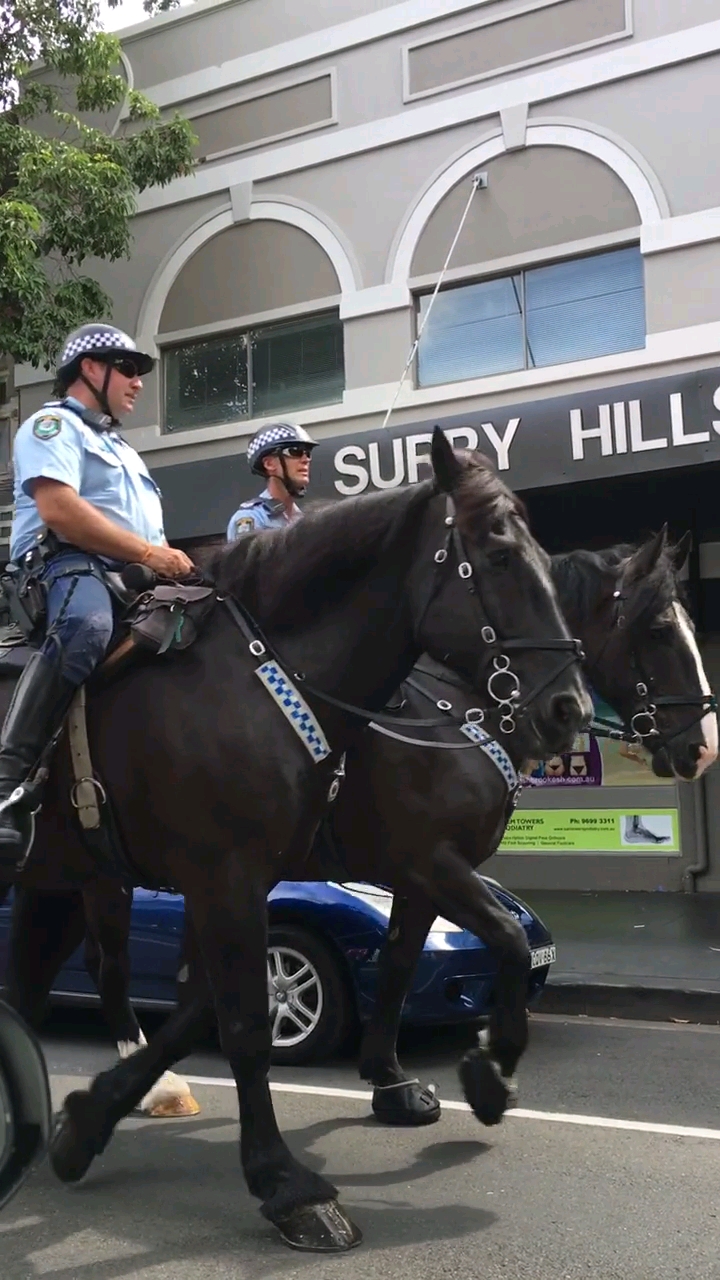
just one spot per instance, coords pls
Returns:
(319, 1009)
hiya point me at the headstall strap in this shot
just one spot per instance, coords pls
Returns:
(643, 722)
(503, 685)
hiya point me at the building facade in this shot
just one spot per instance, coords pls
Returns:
(576, 338)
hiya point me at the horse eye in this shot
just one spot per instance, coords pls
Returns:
(499, 560)
(661, 632)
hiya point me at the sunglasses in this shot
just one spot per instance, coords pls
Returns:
(126, 367)
(296, 451)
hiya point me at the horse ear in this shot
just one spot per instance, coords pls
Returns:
(681, 551)
(644, 560)
(446, 467)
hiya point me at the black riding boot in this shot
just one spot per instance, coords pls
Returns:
(39, 705)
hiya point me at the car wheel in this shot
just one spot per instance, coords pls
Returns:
(311, 1010)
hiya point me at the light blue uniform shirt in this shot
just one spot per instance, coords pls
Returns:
(56, 444)
(262, 512)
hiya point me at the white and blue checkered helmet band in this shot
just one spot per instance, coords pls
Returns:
(100, 340)
(274, 437)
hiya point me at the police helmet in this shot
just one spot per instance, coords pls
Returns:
(98, 341)
(25, 1107)
(272, 439)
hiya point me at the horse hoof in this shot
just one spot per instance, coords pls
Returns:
(170, 1098)
(75, 1142)
(405, 1104)
(488, 1095)
(320, 1228)
(172, 1107)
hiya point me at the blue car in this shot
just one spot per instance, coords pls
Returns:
(325, 940)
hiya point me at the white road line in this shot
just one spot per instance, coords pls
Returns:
(518, 1113)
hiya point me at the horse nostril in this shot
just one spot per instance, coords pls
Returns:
(565, 709)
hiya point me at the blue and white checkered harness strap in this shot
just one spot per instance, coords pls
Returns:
(294, 708)
(494, 752)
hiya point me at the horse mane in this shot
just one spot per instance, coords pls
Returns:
(579, 576)
(482, 498)
(285, 576)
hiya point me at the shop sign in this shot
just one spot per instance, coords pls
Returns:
(617, 831)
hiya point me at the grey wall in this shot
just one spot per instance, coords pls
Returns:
(670, 116)
(33, 398)
(538, 197)
(659, 17)
(681, 288)
(513, 40)
(376, 348)
(367, 196)
(153, 234)
(248, 269)
(214, 36)
(267, 116)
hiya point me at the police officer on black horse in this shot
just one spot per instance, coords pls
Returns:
(281, 454)
(84, 503)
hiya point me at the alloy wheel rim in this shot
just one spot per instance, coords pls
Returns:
(295, 996)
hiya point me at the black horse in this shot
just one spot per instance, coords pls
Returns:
(440, 807)
(214, 794)
(642, 659)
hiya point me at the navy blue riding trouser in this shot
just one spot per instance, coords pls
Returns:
(80, 614)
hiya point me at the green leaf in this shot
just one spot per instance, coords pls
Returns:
(68, 186)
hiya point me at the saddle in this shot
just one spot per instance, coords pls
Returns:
(158, 621)
(161, 620)
(164, 619)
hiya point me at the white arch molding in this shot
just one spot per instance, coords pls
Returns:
(212, 225)
(644, 188)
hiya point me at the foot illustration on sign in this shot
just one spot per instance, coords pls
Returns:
(636, 831)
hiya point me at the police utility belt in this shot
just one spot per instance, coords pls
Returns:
(26, 593)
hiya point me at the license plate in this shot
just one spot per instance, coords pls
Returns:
(542, 956)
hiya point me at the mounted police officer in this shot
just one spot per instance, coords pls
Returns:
(281, 454)
(84, 502)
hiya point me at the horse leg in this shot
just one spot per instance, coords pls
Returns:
(108, 914)
(234, 938)
(487, 1072)
(89, 1116)
(45, 930)
(396, 1099)
(234, 949)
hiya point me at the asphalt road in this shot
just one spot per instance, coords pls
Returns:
(566, 1188)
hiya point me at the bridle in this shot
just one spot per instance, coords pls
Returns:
(510, 703)
(642, 725)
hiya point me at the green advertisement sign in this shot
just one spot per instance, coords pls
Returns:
(592, 830)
